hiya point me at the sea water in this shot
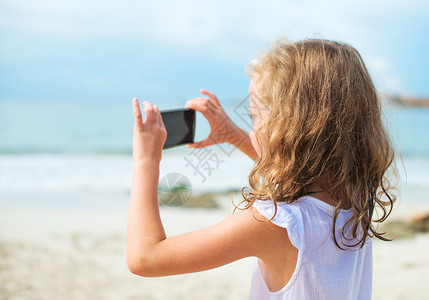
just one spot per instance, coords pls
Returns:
(80, 154)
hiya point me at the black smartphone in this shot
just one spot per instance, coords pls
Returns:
(180, 126)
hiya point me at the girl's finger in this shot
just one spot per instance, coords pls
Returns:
(150, 112)
(203, 143)
(137, 113)
(158, 115)
(211, 95)
(203, 105)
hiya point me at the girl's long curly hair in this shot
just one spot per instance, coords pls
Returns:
(324, 125)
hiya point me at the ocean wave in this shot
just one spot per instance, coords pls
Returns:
(40, 150)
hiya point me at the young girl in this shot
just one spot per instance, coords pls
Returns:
(322, 155)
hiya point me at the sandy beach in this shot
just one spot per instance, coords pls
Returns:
(79, 253)
(69, 71)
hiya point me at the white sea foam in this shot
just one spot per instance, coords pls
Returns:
(113, 173)
(66, 174)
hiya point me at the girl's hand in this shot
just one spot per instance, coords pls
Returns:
(217, 118)
(148, 136)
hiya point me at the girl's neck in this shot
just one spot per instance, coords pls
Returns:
(316, 191)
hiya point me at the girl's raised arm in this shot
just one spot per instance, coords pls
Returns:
(149, 251)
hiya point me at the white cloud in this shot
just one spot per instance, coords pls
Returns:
(383, 73)
(189, 23)
(379, 64)
(186, 22)
(233, 30)
(188, 19)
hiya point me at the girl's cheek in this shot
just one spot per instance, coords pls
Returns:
(254, 142)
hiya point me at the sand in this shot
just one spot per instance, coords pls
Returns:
(79, 253)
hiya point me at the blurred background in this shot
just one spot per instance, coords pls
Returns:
(68, 72)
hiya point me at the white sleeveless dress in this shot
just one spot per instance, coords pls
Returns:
(323, 271)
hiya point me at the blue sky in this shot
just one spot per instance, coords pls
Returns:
(165, 51)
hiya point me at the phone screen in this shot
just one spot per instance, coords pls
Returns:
(180, 126)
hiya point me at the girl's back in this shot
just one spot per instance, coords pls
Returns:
(322, 271)
(317, 130)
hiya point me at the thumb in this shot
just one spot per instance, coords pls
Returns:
(201, 144)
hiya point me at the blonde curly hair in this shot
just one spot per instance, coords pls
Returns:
(324, 125)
